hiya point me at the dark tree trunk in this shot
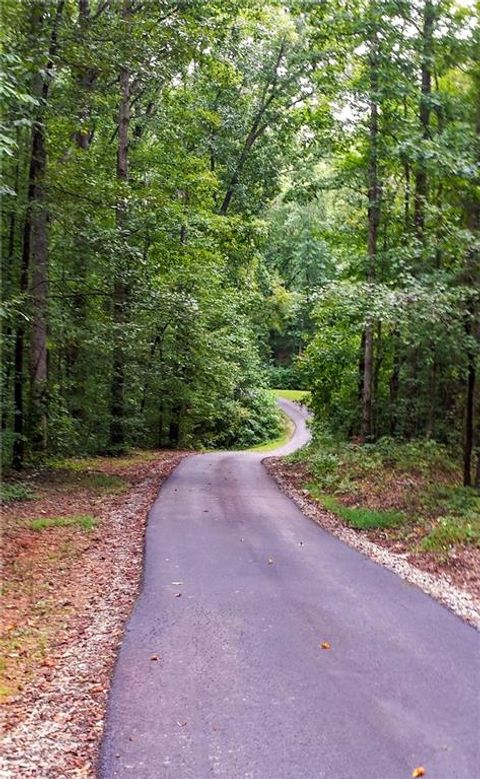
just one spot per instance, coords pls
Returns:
(421, 178)
(120, 291)
(394, 384)
(39, 293)
(38, 222)
(472, 212)
(469, 412)
(85, 78)
(19, 350)
(373, 225)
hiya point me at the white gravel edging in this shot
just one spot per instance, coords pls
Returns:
(439, 587)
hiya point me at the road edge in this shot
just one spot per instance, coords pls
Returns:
(461, 603)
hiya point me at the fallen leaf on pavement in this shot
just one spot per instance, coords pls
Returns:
(420, 771)
(326, 645)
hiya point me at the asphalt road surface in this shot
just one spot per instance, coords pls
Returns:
(240, 590)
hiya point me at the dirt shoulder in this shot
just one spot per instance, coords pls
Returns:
(453, 579)
(72, 569)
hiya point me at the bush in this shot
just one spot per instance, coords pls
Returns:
(285, 376)
(18, 491)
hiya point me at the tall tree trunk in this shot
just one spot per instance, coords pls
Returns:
(421, 178)
(7, 353)
(469, 412)
(85, 78)
(120, 291)
(38, 218)
(472, 272)
(472, 278)
(39, 292)
(19, 349)
(373, 225)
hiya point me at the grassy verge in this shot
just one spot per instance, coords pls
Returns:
(360, 517)
(411, 491)
(299, 396)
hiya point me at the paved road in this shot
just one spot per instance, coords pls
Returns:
(242, 688)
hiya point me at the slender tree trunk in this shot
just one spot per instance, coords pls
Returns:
(39, 293)
(373, 225)
(394, 384)
(469, 413)
(19, 349)
(258, 127)
(432, 392)
(85, 78)
(10, 255)
(38, 219)
(120, 291)
(472, 212)
(421, 179)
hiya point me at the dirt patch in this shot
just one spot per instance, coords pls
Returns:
(453, 578)
(67, 593)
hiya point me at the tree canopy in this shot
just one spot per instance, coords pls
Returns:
(203, 197)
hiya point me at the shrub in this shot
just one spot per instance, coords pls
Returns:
(18, 491)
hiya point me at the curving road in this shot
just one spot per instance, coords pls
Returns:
(241, 688)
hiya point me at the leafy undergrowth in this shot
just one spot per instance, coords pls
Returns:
(405, 496)
(276, 443)
(72, 551)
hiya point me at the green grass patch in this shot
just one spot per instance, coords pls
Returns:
(451, 531)
(358, 517)
(84, 521)
(276, 443)
(299, 396)
(12, 492)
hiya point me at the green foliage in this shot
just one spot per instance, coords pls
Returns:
(186, 250)
(451, 531)
(336, 463)
(232, 251)
(282, 439)
(83, 521)
(283, 376)
(15, 491)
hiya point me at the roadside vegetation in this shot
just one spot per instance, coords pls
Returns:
(287, 431)
(407, 495)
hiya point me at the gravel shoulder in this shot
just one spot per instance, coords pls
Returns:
(460, 600)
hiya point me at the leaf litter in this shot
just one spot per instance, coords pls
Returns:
(67, 593)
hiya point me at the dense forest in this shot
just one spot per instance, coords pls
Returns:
(205, 198)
